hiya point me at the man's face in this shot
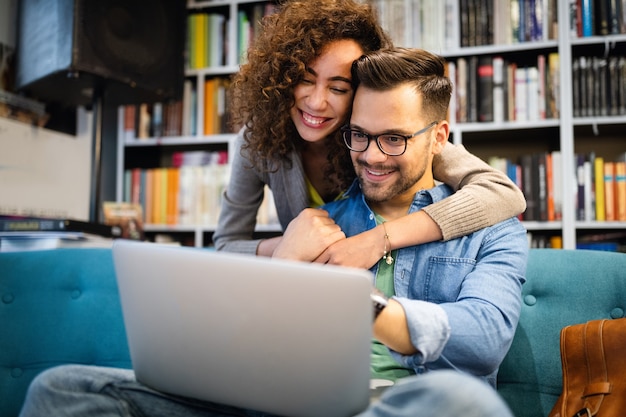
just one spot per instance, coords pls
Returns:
(393, 180)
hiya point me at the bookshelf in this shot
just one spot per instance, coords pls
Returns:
(190, 137)
(546, 45)
(572, 124)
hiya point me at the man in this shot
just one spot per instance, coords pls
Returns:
(453, 304)
(456, 304)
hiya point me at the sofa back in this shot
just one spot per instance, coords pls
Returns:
(563, 287)
(56, 306)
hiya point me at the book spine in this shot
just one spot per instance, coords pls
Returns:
(485, 89)
(587, 18)
(609, 190)
(599, 184)
(499, 102)
(620, 191)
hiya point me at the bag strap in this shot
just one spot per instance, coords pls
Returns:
(598, 384)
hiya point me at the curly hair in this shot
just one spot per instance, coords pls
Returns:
(262, 92)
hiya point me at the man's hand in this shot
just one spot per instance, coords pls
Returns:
(308, 235)
(360, 251)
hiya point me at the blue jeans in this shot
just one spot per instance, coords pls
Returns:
(76, 390)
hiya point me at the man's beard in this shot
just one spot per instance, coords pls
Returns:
(379, 192)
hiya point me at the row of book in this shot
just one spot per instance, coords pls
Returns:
(428, 24)
(601, 188)
(153, 120)
(610, 241)
(248, 26)
(189, 192)
(600, 193)
(181, 118)
(186, 194)
(26, 232)
(433, 24)
(494, 89)
(597, 17)
(208, 35)
(495, 22)
(599, 86)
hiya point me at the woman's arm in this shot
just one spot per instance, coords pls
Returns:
(484, 196)
(240, 204)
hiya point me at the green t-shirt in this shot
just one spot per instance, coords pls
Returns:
(383, 366)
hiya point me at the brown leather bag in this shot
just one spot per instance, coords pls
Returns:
(593, 360)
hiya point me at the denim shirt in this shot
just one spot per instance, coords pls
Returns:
(462, 298)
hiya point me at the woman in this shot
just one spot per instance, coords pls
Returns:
(291, 97)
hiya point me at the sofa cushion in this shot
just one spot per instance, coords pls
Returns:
(562, 287)
(56, 306)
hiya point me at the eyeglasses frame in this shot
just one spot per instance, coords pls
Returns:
(371, 137)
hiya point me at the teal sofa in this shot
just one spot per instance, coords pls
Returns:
(62, 306)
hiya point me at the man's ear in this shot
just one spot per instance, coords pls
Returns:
(442, 131)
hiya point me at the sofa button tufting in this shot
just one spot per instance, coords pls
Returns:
(530, 300)
(17, 372)
(8, 298)
(617, 313)
(75, 294)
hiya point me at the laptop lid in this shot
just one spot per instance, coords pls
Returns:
(283, 337)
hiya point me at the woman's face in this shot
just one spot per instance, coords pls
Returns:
(324, 97)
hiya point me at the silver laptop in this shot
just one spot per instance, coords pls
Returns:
(282, 337)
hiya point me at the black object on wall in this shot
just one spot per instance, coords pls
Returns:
(128, 51)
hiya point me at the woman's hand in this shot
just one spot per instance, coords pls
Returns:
(360, 251)
(308, 235)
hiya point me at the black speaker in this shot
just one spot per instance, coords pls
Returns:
(128, 51)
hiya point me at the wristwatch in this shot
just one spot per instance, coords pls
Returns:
(379, 301)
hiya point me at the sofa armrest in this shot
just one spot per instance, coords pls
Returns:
(562, 287)
(56, 306)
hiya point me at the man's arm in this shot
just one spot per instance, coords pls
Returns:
(482, 316)
(391, 329)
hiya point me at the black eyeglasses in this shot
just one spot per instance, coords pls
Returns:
(392, 144)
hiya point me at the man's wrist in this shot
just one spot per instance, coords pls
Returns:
(379, 301)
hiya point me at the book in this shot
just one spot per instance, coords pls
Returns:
(601, 15)
(557, 184)
(461, 90)
(499, 103)
(552, 87)
(530, 186)
(43, 240)
(599, 185)
(521, 94)
(485, 99)
(130, 122)
(587, 17)
(620, 191)
(579, 161)
(551, 213)
(40, 224)
(472, 89)
(532, 94)
(609, 190)
(125, 216)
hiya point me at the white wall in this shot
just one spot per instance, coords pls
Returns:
(42, 172)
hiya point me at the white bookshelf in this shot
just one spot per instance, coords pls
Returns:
(567, 134)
